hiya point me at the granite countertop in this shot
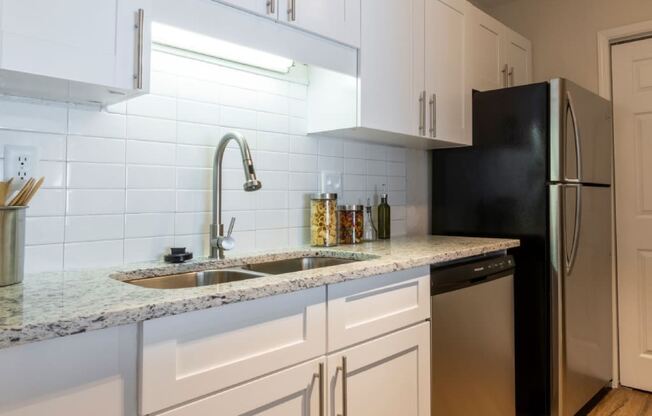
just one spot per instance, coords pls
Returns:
(49, 305)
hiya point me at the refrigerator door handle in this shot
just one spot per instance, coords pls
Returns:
(569, 256)
(570, 109)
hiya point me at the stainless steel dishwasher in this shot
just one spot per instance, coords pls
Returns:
(473, 337)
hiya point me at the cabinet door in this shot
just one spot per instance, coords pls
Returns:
(268, 8)
(392, 65)
(190, 355)
(484, 61)
(90, 41)
(291, 392)
(388, 376)
(334, 19)
(448, 96)
(518, 58)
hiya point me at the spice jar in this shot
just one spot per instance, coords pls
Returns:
(323, 220)
(350, 223)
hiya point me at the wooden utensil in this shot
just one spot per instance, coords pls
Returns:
(4, 191)
(32, 191)
(15, 201)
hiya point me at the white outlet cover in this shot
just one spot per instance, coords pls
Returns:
(331, 182)
(20, 163)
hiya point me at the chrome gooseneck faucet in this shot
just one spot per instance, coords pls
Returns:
(220, 242)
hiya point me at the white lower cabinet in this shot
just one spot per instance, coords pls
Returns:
(388, 376)
(291, 392)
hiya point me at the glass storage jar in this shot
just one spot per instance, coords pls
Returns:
(323, 220)
(351, 221)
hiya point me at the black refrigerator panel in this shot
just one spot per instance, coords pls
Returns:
(497, 188)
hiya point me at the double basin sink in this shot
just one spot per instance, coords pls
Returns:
(244, 272)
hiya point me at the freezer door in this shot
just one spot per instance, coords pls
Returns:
(580, 244)
(580, 135)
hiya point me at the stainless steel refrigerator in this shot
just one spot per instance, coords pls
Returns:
(540, 170)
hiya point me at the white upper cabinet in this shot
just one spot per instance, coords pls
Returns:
(267, 8)
(391, 73)
(518, 58)
(338, 20)
(498, 57)
(334, 19)
(75, 50)
(449, 99)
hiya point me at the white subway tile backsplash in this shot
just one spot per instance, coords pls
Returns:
(87, 122)
(92, 254)
(51, 146)
(201, 134)
(273, 122)
(94, 202)
(149, 128)
(142, 201)
(153, 106)
(93, 149)
(146, 249)
(303, 163)
(197, 90)
(150, 177)
(150, 153)
(48, 202)
(238, 118)
(44, 230)
(54, 173)
(43, 258)
(95, 176)
(198, 112)
(149, 225)
(192, 222)
(127, 182)
(32, 116)
(94, 227)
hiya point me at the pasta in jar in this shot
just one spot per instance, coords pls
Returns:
(323, 220)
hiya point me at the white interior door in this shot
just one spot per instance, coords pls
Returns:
(445, 77)
(632, 100)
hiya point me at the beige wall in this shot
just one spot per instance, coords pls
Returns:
(563, 32)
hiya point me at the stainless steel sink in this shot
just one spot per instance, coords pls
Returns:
(296, 264)
(195, 279)
(244, 272)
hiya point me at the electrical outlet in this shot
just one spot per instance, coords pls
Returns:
(331, 182)
(20, 163)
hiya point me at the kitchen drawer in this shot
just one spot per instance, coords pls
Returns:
(193, 354)
(291, 392)
(362, 309)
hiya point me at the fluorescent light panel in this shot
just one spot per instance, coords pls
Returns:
(206, 45)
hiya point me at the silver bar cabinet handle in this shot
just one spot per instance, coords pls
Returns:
(504, 71)
(271, 6)
(140, 47)
(344, 371)
(511, 76)
(433, 115)
(292, 10)
(422, 110)
(320, 375)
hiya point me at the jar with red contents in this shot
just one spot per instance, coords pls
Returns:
(350, 222)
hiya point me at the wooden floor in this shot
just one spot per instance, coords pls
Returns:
(624, 402)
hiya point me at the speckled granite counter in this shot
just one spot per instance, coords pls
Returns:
(49, 305)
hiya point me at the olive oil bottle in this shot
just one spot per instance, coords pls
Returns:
(384, 217)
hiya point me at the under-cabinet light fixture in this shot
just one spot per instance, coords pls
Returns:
(182, 39)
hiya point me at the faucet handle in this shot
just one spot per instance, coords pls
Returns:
(231, 224)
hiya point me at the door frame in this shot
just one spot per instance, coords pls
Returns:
(606, 39)
(609, 37)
